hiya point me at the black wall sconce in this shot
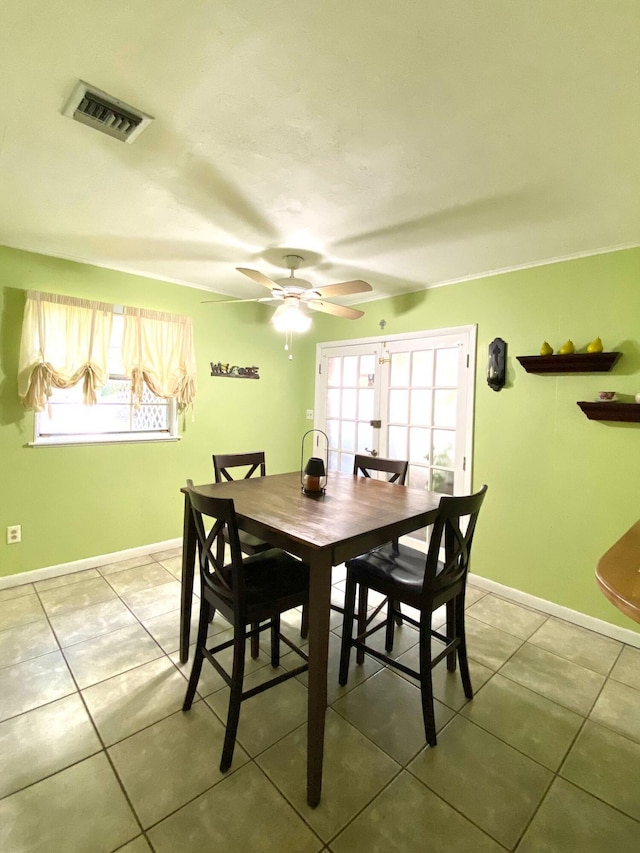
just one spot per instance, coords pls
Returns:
(496, 371)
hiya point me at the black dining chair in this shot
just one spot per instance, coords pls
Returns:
(424, 582)
(243, 466)
(364, 465)
(250, 464)
(397, 468)
(250, 593)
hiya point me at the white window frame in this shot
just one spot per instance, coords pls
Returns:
(41, 439)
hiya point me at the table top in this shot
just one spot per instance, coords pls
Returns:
(351, 509)
(618, 573)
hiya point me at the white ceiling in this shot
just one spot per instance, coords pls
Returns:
(408, 142)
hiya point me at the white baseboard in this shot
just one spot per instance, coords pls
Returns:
(624, 635)
(87, 563)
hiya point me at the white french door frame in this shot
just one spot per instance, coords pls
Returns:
(379, 345)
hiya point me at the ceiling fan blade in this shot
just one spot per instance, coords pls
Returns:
(231, 301)
(344, 288)
(336, 310)
(259, 278)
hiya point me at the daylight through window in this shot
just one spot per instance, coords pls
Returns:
(115, 417)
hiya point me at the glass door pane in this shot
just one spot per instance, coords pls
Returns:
(420, 414)
(419, 389)
(347, 402)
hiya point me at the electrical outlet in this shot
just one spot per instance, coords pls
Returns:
(309, 414)
(14, 534)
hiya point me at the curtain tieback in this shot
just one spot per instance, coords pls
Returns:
(185, 390)
(89, 384)
(137, 386)
(39, 387)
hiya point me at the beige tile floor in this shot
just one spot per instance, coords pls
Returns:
(97, 756)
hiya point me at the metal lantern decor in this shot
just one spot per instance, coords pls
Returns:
(313, 475)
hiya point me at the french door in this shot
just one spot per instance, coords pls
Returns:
(404, 397)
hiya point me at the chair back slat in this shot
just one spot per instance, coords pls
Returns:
(396, 467)
(452, 536)
(251, 461)
(215, 518)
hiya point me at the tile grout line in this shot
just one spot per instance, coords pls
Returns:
(284, 796)
(405, 767)
(97, 732)
(102, 750)
(105, 749)
(555, 774)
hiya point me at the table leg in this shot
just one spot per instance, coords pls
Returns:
(188, 568)
(319, 610)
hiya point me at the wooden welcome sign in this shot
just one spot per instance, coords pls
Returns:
(234, 371)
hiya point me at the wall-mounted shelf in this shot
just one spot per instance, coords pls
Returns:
(577, 362)
(629, 412)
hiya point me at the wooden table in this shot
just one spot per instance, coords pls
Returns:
(618, 573)
(355, 514)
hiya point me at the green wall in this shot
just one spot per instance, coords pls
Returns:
(77, 502)
(562, 489)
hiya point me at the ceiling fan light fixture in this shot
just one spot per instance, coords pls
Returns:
(291, 318)
(297, 295)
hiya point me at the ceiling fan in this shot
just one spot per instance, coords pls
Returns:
(296, 294)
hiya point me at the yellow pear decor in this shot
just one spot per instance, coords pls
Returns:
(595, 345)
(567, 348)
(546, 349)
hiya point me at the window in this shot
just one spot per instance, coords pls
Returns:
(93, 373)
(115, 417)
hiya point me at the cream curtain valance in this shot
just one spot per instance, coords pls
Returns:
(65, 340)
(157, 349)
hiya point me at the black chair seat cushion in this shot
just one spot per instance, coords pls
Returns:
(400, 565)
(273, 575)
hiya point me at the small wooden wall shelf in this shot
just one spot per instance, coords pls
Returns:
(577, 362)
(629, 412)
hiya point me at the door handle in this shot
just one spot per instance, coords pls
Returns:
(372, 452)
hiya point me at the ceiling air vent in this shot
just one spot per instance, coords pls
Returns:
(105, 113)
